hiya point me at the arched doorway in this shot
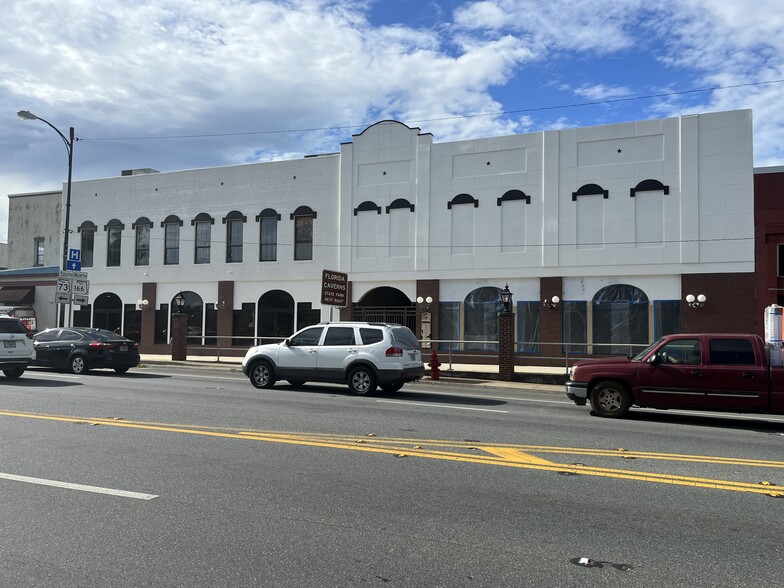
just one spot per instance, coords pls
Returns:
(620, 319)
(276, 315)
(107, 312)
(386, 305)
(194, 308)
(481, 318)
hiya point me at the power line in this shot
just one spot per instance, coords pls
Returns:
(444, 118)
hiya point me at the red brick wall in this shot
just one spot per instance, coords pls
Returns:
(506, 346)
(769, 233)
(425, 288)
(551, 319)
(730, 306)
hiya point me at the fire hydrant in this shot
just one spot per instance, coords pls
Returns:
(435, 374)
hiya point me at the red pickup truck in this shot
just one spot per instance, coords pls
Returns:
(720, 372)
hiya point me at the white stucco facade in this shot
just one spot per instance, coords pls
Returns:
(639, 203)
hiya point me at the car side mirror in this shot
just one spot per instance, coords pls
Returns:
(286, 342)
(656, 358)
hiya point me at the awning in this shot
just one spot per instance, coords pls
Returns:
(10, 296)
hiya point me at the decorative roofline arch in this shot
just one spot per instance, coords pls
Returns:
(463, 199)
(367, 205)
(172, 219)
(400, 203)
(268, 213)
(202, 217)
(590, 190)
(649, 186)
(303, 211)
(513, 195)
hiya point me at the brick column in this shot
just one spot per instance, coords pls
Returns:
(179, 340)
(506, 341)
(149, 293)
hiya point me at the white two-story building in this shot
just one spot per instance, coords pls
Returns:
(618, 224)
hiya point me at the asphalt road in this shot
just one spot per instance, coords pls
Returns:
(186, 477)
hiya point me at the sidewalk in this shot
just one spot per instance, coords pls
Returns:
(546, 379)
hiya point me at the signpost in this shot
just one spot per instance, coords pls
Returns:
(73, 286)
(334, 286)
(74, 261)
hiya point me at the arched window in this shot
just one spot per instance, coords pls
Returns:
(276, 315)
(171, 239)
(142, 227)
(202, 225)
(620, 319)
(481, 318)
(194, 308)
(107, 312)
(87, 231)
(268, 234)
(234, 221)
(114, 229)
(303, 232)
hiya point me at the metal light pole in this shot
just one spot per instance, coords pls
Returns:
(69, 143)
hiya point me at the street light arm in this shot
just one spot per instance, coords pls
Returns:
(69, 143)
(27, 115)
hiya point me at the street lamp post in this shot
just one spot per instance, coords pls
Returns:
(69, 143)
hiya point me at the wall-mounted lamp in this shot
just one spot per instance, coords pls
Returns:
(425, 302)
(551, 302)
(506, 299)
(697, 302)
(143, 304)
(222, 305)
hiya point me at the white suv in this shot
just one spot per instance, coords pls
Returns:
(16, 347)
(362, 355)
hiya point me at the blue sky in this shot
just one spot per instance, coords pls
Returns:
(182, 84)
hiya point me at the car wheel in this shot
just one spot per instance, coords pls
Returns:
(391, 388)
(611, 399)
(78, 364)
(261, 374)
(13, 373)
(362, 380)
(121, 370)
(297, 383)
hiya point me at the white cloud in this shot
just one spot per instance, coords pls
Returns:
(144, 68)
(599, 92)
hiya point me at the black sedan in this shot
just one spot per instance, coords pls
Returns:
(79, 349)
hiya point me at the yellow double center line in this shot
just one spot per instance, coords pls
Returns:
(517, 456)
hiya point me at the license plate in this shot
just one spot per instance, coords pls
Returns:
(9, 344)
(123, 348)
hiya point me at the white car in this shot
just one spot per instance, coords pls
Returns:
(361, 355)
(16, 347)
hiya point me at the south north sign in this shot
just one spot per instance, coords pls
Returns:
(334, 286)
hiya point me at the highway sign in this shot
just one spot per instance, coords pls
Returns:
(63, 286)
(333, 288)
(74, 255)
(62, 298)
(67, 275)
(81, 300)
(73, 265)
(80, 287)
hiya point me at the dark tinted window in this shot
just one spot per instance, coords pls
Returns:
(339, 336)
(370, 336)
(307, 337)
(405, 337)
(70, 336)
(732, 352)
(48, 335)
(7, 326)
